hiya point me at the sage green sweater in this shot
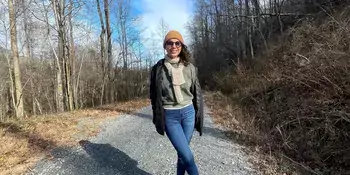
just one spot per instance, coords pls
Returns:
(168, 97)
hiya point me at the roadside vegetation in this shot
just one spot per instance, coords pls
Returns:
(25, 141)
(290, 104)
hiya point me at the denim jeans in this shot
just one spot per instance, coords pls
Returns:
(179, 127)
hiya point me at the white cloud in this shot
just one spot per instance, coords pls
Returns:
(176, 14)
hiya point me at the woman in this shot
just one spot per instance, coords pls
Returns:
(176, 99)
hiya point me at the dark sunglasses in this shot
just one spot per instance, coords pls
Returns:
(170, 43)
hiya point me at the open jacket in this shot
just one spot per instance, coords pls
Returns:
(156, 99)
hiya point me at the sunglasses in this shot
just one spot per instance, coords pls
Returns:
(170, 43)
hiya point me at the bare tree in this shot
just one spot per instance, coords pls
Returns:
(104, 69)
(58, 8)
(17, 85)
(64, 54)
(125, 40)
(122, 16)
(72, 90)
(163, 29)
(109, 51)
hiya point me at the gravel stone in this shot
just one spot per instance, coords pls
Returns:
(129, 145)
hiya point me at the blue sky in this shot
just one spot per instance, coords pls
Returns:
(175, 13)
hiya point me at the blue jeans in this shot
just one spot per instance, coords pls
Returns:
(179, 127)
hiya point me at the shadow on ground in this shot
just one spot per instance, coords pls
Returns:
(112, 158)
(95, 159)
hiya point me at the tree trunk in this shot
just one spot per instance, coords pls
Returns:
(278, 15)
(109, 49)
(242, 37)
(68, 87)
(19, 110)
(58, 6)
(28, 53)
(257, 13)
(249, 28)
(27, 30)
(102, 53)
(73, 95)
(77, 87)
(11, 92)
(59, 88)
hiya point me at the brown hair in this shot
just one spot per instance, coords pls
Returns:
(185, 55)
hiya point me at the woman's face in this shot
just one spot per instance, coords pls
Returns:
(173, 48)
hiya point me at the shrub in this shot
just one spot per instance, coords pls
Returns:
(300, 107)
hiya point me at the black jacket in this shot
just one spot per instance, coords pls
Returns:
(156, 99)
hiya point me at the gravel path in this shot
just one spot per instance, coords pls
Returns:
(130, 145)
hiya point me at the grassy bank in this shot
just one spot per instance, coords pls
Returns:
(294, 103)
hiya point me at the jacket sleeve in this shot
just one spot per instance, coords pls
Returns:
(152, 93)
(198, 103)
(156, 102)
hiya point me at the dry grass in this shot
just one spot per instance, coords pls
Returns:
(228, 114)
(26, 141)
(305, 115)
(296, 109)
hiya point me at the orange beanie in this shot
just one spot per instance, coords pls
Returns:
(173, 34)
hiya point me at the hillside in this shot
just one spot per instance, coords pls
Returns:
(291, 102)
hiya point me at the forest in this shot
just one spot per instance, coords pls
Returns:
(281, 71)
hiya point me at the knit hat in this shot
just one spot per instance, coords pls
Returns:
(173, 34)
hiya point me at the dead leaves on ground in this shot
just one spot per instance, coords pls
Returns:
(26, 141)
